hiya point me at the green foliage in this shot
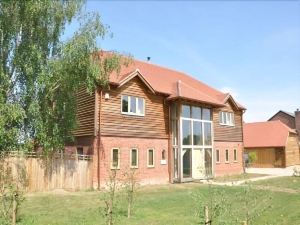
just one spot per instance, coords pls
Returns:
(40, 73)
(252, 157)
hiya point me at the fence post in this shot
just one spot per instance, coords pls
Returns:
(206, 217)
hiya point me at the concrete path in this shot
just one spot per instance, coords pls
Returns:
(239, 182)
(288, 171)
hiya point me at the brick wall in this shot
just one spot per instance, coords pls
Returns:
(229, 168)
(155, 175)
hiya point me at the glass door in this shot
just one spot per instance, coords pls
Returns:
(186, 162)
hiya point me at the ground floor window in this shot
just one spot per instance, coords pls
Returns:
(217, 156)
(134, 158)
(235, 155)
(226, 155)
(150, 158)
(115, 161)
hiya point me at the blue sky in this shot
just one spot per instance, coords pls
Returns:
(251, 49)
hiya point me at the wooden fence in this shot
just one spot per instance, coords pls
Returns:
(70, 172)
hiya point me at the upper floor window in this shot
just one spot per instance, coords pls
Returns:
(133, 105)
(226, 118)
(195, 112)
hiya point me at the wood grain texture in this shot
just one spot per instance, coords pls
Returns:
(228, 133)
(85, 113)
(284, 118)
(155, 123)
(292, 150)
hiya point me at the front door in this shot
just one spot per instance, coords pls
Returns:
(198, 163)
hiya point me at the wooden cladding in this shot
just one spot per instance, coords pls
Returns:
(85, 113)
(225, 132)
(292, 150)
(154, 124)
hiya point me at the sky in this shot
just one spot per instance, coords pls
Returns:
(250, 49)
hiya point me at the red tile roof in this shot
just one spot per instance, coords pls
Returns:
(266, 134)
(172, 83)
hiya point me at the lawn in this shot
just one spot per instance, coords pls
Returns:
(281, 183)
(169, 204)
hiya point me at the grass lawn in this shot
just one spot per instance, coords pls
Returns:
(238, 177)
(165, 205)
(281, 182)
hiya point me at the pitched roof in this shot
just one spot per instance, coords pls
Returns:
(266, 134)
(173, 83)
(287, 113)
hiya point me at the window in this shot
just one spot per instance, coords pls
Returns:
(195, 112)
(226, 118)
(150, 158)
(133, 105)
(79, 153)
(186, 132)
(134, 158)
(235, 155)
(217, 156)
(163, 155)
(115, 158)
(226, 156)
(207, 134)
(206, 114)
(197, 133)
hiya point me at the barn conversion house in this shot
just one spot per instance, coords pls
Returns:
(167, 125)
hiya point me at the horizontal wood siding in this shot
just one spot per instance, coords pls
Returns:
(265, 157)
(153, 125)
(228, 133)
(85, 113)
(292, 150)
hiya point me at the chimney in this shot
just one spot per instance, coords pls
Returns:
(297, 122)
(148, 59)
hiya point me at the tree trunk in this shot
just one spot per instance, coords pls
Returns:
(206, 217)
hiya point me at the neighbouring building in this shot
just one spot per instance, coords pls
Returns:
(292, 120)
(275, 144)
(167, 125)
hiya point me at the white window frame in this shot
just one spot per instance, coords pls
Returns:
(148, 150)
(229, 118)
(227, 160)
(137, 158)
(136, 106)
(218, 154)
(112, 158)
(235, 155)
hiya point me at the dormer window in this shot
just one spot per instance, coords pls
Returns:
(131, 105)
(226, 118)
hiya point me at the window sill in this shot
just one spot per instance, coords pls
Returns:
(235, 161)
(227, 162)
(227, 125)
(134, 167)
(150, 167)
(218, 162)
(114, 168)
(132, 114)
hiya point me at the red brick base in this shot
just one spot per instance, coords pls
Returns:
(229, 168)
(146, 175)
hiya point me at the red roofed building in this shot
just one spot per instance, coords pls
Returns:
(167, 125)
(275, 144)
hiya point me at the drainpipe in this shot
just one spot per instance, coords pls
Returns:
(99, 140)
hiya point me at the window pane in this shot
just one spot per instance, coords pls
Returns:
(226, 155)
(235, 155)
(232, 118)
(224, 118)
(133, 157)
(124, 103)
(186, 111)
(221, 117)
(186, 132)
(115, 157)
(207, 134)
(163, 154)
(140, 109)
(187, 162)
(197, 128)
(133, 104)
(196, 112)
(206, 114)
(174, 131)
(150, 158)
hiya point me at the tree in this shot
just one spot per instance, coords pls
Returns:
(40, 73)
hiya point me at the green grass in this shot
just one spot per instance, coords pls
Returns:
(238, 177)
(165, 205)
(281, 182)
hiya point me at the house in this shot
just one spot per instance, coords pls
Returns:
(275, 144)
(292, 120)
(167, 125)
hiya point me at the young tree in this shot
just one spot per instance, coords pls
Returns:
(130, 185)
(40, 72)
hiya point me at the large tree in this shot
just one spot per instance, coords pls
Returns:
(40, 72)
